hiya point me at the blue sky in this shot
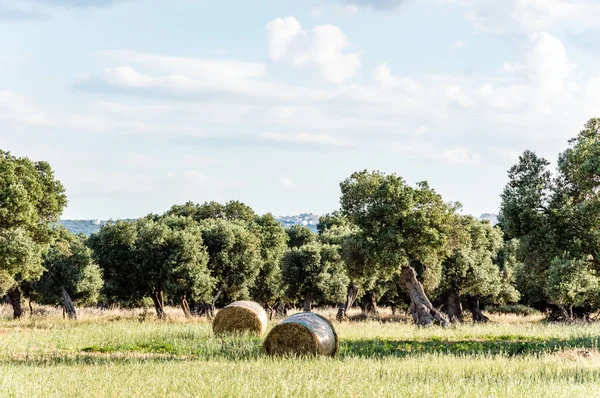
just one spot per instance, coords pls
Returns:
(141, 104)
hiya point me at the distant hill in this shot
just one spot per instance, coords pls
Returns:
(88, 227)
(310, 220)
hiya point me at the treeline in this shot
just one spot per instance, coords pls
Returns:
(390, 243)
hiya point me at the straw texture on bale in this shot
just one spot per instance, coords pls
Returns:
(305, 333)
(240, 317)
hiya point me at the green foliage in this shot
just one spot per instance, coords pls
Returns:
(231, 211)
(268, 287)
(508, 263)
(400, 225)
(148, 257)
(577, 198)
(299, 235)
(317, 270)
(234, 256)
(30, 201)
(68, 265)
(20, 258)
(471, 269)
(553, 217)
(525, 197)
(572, 282)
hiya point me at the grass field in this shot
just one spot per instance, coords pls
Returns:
(124, 354)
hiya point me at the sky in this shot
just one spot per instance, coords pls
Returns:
(142, 104)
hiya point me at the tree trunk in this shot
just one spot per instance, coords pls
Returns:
(68, 304)
(343, 308)
(369, 304)
(394, 309)
(14, 295)
(308, 302)
(157, 299)
(571, 312)
(454, 307)
(30, 309)
(185, 307)
(565, 314)
(476, 311)
(421, 309)
(213, 304)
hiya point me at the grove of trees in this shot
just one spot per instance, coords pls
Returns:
(389, 243)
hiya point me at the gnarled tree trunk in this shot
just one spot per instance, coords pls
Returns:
(454, 307)
(565, 315)
(369, 304)
(14, 295)
(213, 304)
(350, 297)
(476, 311)
(185, 307)
(308, 302)
(157, 299)
(68, 304)
(421, 309)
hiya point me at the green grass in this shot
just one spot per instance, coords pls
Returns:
(109, 357)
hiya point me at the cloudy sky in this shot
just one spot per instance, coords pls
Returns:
(141, 104)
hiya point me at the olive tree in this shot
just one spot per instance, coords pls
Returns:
(234, 257)
(299, 235)
(31, 200)
(572, 282)
(336, 229)
(555, 220)
(472, 270)
(314, 272)
(153, 257)
(231, 211)
(402, 228)
(70, 274)
(268, 288)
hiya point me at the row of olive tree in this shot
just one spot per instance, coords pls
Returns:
(389, 243)
(387, 235)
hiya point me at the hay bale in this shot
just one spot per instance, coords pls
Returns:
(239, 317)
(305, 333)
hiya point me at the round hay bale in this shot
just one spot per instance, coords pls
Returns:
(240, 317)
(305, 333)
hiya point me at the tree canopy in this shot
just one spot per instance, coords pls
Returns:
(151, 258)
(31, 199)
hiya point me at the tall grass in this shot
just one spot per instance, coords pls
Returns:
(127, 353)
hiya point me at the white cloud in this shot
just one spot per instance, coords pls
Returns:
(324, 48)
(547, 74)
(377, 4)
(287, 182)
(203, 160)
(460, 155)
(421, 130)
(304, 138)
(345, 10)
(200, 68)
(458, 44)
(530, 15)
(547, 63)
(193, 78)
(17, 109)
(535, 88)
